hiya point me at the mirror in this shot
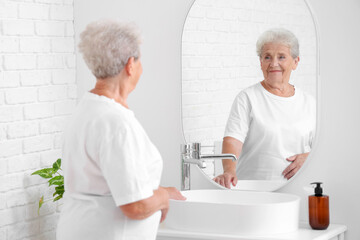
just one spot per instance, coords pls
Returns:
(219, 61)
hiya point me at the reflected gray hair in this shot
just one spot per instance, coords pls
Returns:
(281, 36)
(107, 45)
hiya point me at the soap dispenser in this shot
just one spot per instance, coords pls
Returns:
(318, 208)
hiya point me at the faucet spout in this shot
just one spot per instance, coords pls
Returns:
(219, 156)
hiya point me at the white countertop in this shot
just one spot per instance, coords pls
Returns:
(304, 233)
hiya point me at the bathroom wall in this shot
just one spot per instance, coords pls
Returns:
(156, 101)
(37, 94)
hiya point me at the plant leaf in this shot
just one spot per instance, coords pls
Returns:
(57, 165)
(57, 198)
(58, 180)
(59, 188)
(44, 173)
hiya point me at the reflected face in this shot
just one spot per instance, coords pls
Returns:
(277, 63)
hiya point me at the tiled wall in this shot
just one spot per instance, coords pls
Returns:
(219, 58)
(37, 94)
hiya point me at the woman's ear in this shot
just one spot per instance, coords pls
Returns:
(296, 62)
(129, 67)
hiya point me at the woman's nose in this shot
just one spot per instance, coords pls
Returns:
(274, 63)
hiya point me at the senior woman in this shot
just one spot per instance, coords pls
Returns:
(272, 123)
(111, 168)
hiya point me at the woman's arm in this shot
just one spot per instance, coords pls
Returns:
(233, 146)
(158, 201)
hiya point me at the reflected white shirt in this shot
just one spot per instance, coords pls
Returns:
(108, 161)
(272, 129)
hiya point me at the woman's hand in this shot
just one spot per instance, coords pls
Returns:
(226, 179)
(173, 194)
(297, 162)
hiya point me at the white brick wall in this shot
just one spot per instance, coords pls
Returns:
(219, 58)
(37, 94)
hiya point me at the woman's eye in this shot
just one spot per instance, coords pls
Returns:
(282, 57)
(267, 57)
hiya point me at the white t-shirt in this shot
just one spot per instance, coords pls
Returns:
(272, 129)
(108, 161)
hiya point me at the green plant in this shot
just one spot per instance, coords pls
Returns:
(55, 179)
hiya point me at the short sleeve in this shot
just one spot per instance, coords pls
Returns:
(239, 119)
(123, 166)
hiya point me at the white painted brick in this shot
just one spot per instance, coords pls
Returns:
(9, 79)
(3, 234)
(53, 93)
(72, 91)
(34, 45)
(49, 157)
(188, 75)
(70, 60)
(50, 1)
(39, 110)
(69, 29)
(18, 62)
(11, 182)
(64, 107)
(50, 28)
(196, 62)
(197, 12)
(50, 61)
(22, 129)
(65, 12)
(3, 134)
(63, 45)
(13, 215)
(23, 229)
(16, 198)
(11, 114)
(64, 76)
(39, 143)
(51, 235)
(52, 125)
(33, 181)
(18, 27)
(8, 10)
(70, 2)
(48, 223)
(205, 25)
(34, 11)
(2, 100)
(213, 13)
(21, 95)
(9, 45)
(10, 148)
(23, 163)
(58, 141)
(35, 78)
(2, 202)
(3, 167)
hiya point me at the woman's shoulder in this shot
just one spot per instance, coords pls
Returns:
(249, 92)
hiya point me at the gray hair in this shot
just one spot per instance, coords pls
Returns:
(278, 35)
(107, 45)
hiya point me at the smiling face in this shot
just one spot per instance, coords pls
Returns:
(277, 63)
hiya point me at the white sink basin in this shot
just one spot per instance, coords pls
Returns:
(234, 212)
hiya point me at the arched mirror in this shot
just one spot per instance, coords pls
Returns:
(219, 60)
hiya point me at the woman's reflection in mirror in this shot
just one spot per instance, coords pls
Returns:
(271, 125)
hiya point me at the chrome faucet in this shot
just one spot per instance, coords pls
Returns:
(191, 154)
